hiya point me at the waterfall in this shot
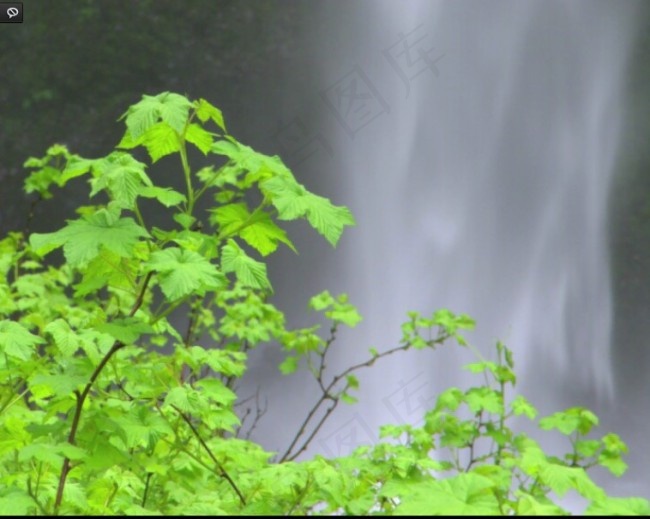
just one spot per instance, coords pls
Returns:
(476, 144)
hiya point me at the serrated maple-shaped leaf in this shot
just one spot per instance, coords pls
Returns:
(167, 107)
(65, 338)
(258, 166)
(107, 268)
(230, 217)
(126, 330)
(82, 239)
(257, 229)
(288, 196)
(201, 138)
(182, 272)
(75, 167)
(293, 201)
(160, 140)
(165, 195)
(264, 235)
(249, 272)
(16, 341)
(122, 176)
(205, 111)
(464, 494)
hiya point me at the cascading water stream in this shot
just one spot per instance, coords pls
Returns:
(478, 160)
(486, 189)
(476, 144)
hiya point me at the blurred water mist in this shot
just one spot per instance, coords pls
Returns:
(476, 144)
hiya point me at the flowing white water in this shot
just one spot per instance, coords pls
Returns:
(475, 143)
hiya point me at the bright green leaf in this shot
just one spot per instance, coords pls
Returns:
(82, 239)
(16, 341)
(249, 272)
(182, 272)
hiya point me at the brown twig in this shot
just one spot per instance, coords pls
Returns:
(289, 454)
(219, 466)
(81, 397)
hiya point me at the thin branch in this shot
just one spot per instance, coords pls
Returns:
(328, 396)
(34, 495)
(302, 494)
(328, 412)
(81, 397)
(222, 470)
(146, 490)
(259, 413)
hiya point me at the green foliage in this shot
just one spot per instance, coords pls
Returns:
(108, 408)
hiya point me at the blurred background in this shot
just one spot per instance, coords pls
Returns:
(494, 154)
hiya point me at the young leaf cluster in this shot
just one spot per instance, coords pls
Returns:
(108, 406)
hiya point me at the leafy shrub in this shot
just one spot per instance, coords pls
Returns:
(106, 407)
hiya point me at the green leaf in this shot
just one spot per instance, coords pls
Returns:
(142, 427)
(65, 338)
(184, 219)
(16, 341)
(122, 176)
(257, 229)
(165, 195)
(293, 201)
(109, 269)
(529, 505)
(17, 503)
(82, 239)
(450, 399)
(353, 382)
(182, 272)
(321, 301)
(216, 391)
(75, 167)
(167, 107)
(60, 385)
(289, 365)
(328, 219)
(185, 399)
(199, 137)
(613, 463)
(205, 111)
(41, 452)
(522, 406)
(465, 494)
(484, 399)
(344, 312)
(587, 448)
(619, 506)
(230, 217)
(561, 478)
(244, 157)
(126, 330)
(575, 418)
(249, 272)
